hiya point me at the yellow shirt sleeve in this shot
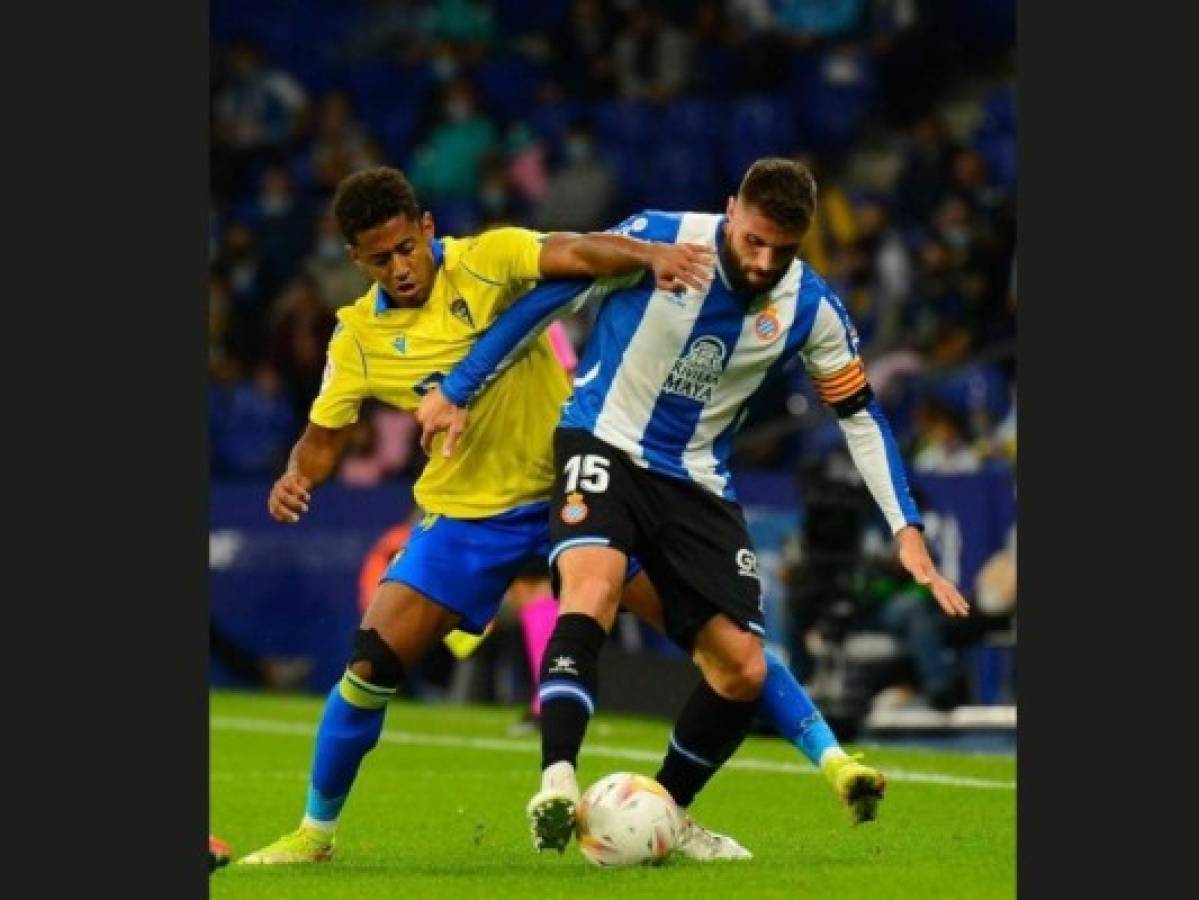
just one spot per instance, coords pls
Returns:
(505, 255)
(343, 387)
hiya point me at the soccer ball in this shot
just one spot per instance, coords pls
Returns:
(626, 819)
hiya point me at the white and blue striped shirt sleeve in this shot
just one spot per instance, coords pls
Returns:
(831, 356)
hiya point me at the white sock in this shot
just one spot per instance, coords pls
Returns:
(558, 775)
(830, 755)
(326, 827)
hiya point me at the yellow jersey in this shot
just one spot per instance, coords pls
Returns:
(504, 459)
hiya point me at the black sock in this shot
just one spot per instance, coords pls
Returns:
(708, 731)
(569, 675)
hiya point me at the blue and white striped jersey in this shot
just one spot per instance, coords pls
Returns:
(667, 377)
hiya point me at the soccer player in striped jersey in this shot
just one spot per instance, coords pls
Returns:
(641, 459)
(486, 509)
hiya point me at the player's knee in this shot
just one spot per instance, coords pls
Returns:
(593, 592)
(740, 677)
(374, 661)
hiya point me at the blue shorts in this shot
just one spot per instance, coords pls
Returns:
(467, 565)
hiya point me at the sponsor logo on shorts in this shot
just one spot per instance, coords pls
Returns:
(747, 563)
(575, 509)
(766, 326)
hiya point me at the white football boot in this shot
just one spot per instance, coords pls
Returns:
(696, 842)
(552, 810)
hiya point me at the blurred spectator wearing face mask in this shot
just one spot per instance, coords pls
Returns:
(258, 106)
(341, 146)
(944, 448)
(222, 364)
(526, 173)
(251, 425)
(580, 193)
(652, 57)
(284, 224)
(250, 284)
(834, 227)
(808, 21)
(338, 281)
(446, 166)
(922, 179)
(582, 47)
(938, 317)
(298, 339)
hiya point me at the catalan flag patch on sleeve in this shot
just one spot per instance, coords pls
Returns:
(843, 383)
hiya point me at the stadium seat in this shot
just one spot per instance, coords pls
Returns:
(507, 84)
(975, 388)
(629, 163)
(697, 121)
(456, 217)
(550, 120)
(834, 98)
(680, 176)
(626, 122)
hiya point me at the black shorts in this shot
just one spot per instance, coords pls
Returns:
(693, 545)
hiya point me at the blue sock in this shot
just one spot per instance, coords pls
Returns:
(350, 727)
(786, 705)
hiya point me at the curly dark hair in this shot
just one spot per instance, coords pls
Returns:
(783, 190)
(371, 197)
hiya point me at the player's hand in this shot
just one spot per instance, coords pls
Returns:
(436, 414)
(289, 498)
(913, 554)
(677, 267)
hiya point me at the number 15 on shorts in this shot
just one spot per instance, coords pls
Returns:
(587, 472)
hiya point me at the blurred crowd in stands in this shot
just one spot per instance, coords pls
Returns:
(575, 114)
(572, 115)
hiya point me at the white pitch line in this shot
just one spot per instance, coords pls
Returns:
(271, 726)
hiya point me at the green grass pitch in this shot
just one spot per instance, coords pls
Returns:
(438, 811)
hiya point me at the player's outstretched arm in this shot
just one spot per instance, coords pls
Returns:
(676, 267)
(312, 461)
(831, 356)
(877, 458)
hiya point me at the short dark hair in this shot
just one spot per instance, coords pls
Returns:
(782, 189)
(371, 197)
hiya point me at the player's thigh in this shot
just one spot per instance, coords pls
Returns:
(731, 658)
(594, 499)
(466, 565)
(591, 578)
(526, 589)
(407, 621)
(593, 523)
(701, 563)
(641, 598)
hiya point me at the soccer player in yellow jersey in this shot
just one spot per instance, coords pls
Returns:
(487, 505)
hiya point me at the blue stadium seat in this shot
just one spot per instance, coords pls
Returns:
(999, 113)
(629, 163)
(755, 127)
(396, 130)
(550, 120)
(456, 217)
(521, 17)
(508, 84)
(980, 387)
(699, 121)
(832, 111)
(680, 176)
(1000, 153)
(625, 122)
(762, 119)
